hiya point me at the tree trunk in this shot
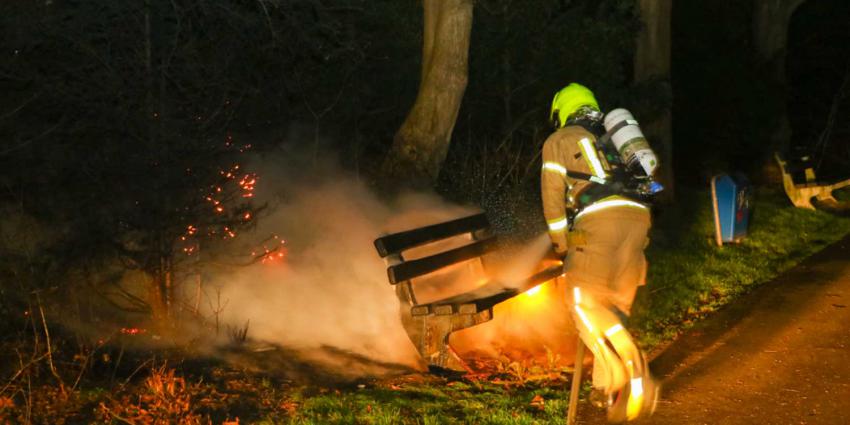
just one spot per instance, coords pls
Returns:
(507, 71)
(162, 294)
(652, 60)
(770, 38)
(156, 298)
(420, 145)
(770, 32)
(653, 47)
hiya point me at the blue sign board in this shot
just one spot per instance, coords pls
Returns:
(731, 201)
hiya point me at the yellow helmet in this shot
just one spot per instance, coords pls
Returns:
(568, 101)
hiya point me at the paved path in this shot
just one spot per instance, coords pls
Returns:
(780, 355)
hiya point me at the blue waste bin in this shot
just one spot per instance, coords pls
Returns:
(731, 201)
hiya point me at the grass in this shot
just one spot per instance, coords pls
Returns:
(443, 402)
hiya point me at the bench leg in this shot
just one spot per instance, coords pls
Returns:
(802, 198)
(435, 342)
(799, 196)
(413, 326)
(436, 348)
(826, 196)
(430, 334)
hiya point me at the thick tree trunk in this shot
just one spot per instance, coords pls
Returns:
(652, 60)
(420, 145)
(770, 38)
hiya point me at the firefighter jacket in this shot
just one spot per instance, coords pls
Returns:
(570, 148)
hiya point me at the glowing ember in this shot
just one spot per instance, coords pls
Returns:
(223, 197)
(271, 255)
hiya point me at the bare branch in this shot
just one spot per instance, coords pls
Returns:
(49, 347)
(21, 106)
(27, 142)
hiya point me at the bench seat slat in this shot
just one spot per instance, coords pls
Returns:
(416, 268)
(397, 242)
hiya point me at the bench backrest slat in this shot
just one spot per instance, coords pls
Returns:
(419, 267)
(397, 242)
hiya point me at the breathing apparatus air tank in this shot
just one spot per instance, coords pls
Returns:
(630, 142)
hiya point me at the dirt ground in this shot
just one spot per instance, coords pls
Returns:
(780, 355)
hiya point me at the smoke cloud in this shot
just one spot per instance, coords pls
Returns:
(330, 293)
(329, 301)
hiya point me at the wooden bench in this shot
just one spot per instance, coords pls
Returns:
(801, 194)
(441, 277)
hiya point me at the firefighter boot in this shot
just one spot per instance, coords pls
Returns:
(637, 399)
(620, 370)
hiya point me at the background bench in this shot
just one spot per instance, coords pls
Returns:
(446, 257)
(801, 194)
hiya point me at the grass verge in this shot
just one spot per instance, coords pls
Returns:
(691, 277)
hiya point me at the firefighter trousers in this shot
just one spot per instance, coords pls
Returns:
(605, 273)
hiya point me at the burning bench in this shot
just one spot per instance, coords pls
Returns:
(434, 259)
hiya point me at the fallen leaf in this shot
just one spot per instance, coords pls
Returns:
(289, 406)
(6, 402)
(538, 402)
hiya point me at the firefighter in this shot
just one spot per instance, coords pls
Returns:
(600, 230)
